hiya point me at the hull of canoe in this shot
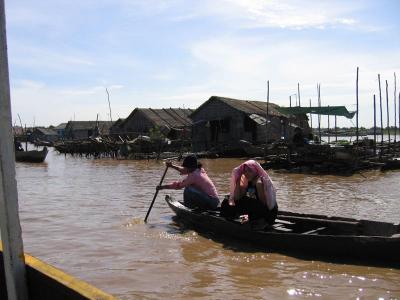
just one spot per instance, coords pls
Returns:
(343, 244)
(31, 156)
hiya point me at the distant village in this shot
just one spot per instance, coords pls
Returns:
(218, 122)
(224, 127)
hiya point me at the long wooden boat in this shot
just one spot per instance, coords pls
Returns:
(46, 282)
(34, 156)
(305, 235)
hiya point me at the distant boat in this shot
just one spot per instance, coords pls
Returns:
(316, 236)
(34, 156)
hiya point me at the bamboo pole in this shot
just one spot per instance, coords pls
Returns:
(395, 109)
(357, 107)
(329, 129)
(336, 129)
(266, 121)
(319, 115)
(11, 234)
(380, 104)
(298, 92)
(109, 104)
(374, 125)
(387, 114)
(311, 118)
(26, 139)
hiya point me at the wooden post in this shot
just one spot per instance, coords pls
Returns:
(395, 109)
(266, 120)
(336, 129)
(329, 129)
(13, 252)
(387, 114)
(298, 92)
(319, 115)
(357, 107)
(109, 105)
(380, 104)
(310, 117)
(26, 139)
(374, 125)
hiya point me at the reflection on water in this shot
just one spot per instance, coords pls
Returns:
(86, 216)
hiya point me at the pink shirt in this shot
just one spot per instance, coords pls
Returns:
(198, 179)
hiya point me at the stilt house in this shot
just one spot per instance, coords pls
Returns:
(224, 121)
(60, 129)
(76, 130)
(173, 123)
(43, 134)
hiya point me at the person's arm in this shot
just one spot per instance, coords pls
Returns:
(163, 187)
(180, 169)
(177, 185)
(260, 191)
(238, 193)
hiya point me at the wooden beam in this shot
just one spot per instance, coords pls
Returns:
(14, 263)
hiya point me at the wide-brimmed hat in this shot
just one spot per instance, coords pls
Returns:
(190, 162)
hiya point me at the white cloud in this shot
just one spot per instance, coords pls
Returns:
(241, 66)
(284, 14)
(43, 58)
(60, 73)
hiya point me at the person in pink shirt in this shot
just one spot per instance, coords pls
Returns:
(199, 190)
(252, 195)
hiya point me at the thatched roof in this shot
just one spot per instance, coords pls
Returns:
(60, 126)
(165, 117)
(247, 106)
(46, 131)
(103, 126)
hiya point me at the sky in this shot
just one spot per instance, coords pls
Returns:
(64, 54)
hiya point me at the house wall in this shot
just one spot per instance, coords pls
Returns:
(78, 134)
(60, 133)
(275, 130)
(240, 127)
(204, 132)
(43, 137)
(138, 124)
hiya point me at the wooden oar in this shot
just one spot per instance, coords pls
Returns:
(155, 195)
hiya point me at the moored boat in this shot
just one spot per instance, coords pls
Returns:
(36, 156)
(305, 235)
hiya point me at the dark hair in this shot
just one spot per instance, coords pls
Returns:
(191, 162)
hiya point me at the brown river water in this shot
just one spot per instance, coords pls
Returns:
(85, 216)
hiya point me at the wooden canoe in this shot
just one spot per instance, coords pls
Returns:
(305, 235)
(34, 156)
